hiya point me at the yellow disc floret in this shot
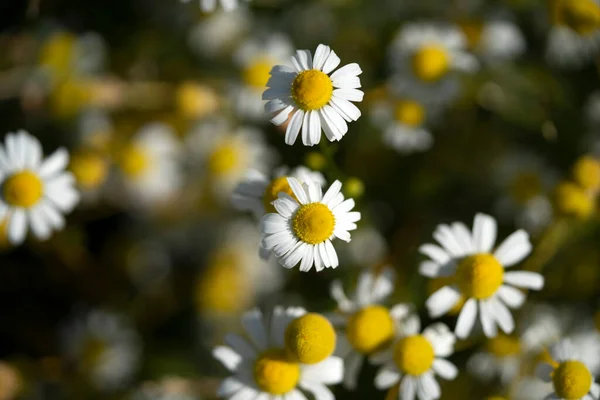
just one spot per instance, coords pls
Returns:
(312, 89)
(257, 73)
(409, 113)
(224, 159)
(315, 160)
(574, 201)
(369, 329)
(134, 161)
(310, 338)
(430, 63)
(572, 380)
(23, 189)
(90, 169)
(276, 186)
(414, 355)
(503, 346)
(586, 172)
(275, 372)
(479, 276)
(313, 223)
(194, 100)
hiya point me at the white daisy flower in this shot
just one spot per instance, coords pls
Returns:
(264, 369)
(257, 192)
(414, 360)
(149, 166)
(494, 40)
(368, 247)
(479, 274)
(318, 100)
(35, 192)
(225, 155)
(404, 124)
(211, 5)
(426, 58)
(219, 33)
(256, 57)
(368, 325)
(104, 347)
(302, 229)
(571, 378)
(500, 357)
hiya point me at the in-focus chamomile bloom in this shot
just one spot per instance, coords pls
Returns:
(104, 347)
(149, 166)
(211, 5)
(426, 58)
(35, 192)
(479, 275)
(500, 357)
(415, 359)
(305, 224)
(224, 156)
(367, 325)
(574, 37)
(234, 276)
(168, 388)
(318, 98)
(264, 369)
(256, 57)
(494, 40)
(257, 191)
(405, 125)
(571, 378)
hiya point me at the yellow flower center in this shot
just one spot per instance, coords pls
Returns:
(430, 63)
(354, 187)
(23, 189)
(194, 100)
(313, 223)
(276, 186)
(586, 172)
(369, 329)
(479, 276)
(224, 159)
(409, 113)
(583, 16)
(572, 200)
(275, 372)
(315, 161)
(312, 89)
(472, 31)
(526, 186)
(57, 53)
(134, 161)
(310, 338)
(90, 169)
(435, 284)
(257, 74)
(503, 346)
(572, 380)
(414, 355)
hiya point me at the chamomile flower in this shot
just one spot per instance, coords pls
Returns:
(219, 33)
(256, 57)
(316, 97)
(404, 124)
(35, 192)
(479, 274)
(368, 325)
(302, 229)
(263, 367)
(426, 58)
(571, 378)
(494, 40)
(257, 192)
(414, 360)
(211, 5)
(149, 166)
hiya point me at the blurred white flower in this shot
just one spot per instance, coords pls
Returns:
(211, 5)
(219, 32)
(494, 40)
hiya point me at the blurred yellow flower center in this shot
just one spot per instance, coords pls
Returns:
(275, 373)
(503, 346)
(586, 172)
(479, 276)
(195, 100)
(310, 338)
(257, 73)
(276, 186)
(526, 186)
(430, 63)
(572, 380)
(224, 159)
(56, 53)
(369, 329)
(572, 200)
(23, 189)
(435, 284)
(90, 169)
(583, 16)
(414, 355)
(312, 89)
(134, 161)
(409, 113)
(472, 31)
(354, 187)
(93, 350)
(313, 223)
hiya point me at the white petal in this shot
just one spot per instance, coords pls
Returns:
(282, 116)
(513, 249)
(333, 258)
(293, 128)
(229, 358)
(321, 55)
(442, 301)
(303, 60)
(314, 127)
(512, 297)
(502, 316)
(330, 194)
(484, 232)
(543, 371)
(331, 63)
(39, 225)
(351, 370)
(488, 323)
(408, 388)
(54, 164)
(240, 346)
(434, 252)
(298, 190)
(307, 260)
(445, 369)
(347, 70)
(252, 321)
(387, 377)
(17, 227)
(319, 390)
(329, 371)
(349, 94)
(428, 386)
(346, 109)
(524, 279)
(466, 319)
